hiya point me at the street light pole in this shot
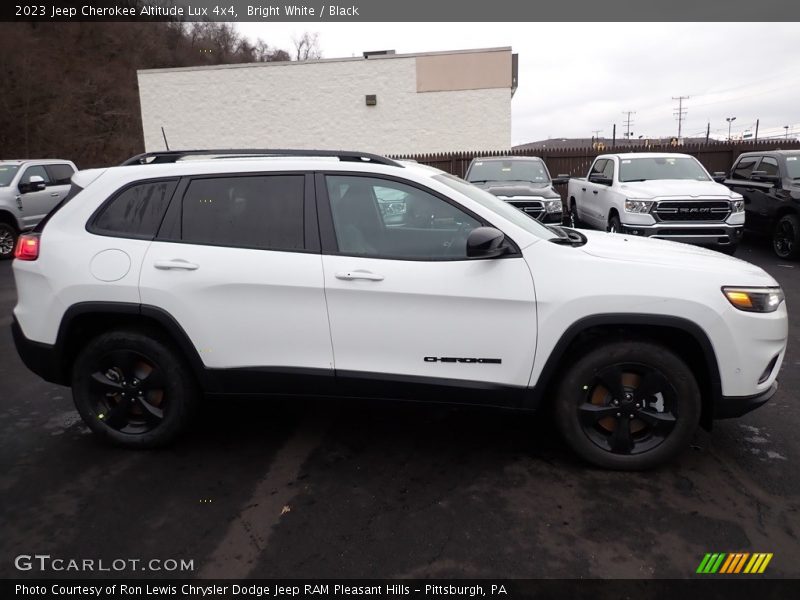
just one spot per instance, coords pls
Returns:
(729, 120)
(786, 127)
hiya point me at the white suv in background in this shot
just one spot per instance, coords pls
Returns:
(348, 274)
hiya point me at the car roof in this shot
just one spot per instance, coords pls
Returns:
(23, 161)
(202, 166)
(769, 152)
(490, 158)
(645, 155)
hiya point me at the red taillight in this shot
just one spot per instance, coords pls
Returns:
(27, 247)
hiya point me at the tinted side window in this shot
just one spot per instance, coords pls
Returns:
(137, 211)
(744, 167)
(387, 219)
(264, 212)
(598, 167)
(37, 170)
(60, 174)
(769, 165)
(608, 170)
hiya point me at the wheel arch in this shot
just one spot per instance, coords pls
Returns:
(85, 320)
(6, 216)
(681, 335)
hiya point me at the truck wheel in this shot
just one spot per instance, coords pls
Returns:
(132, 389)
(628, 405)
(8, 239)
(614, 224)
(573, 221)
(786, 237)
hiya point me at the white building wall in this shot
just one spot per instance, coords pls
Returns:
(319, 105)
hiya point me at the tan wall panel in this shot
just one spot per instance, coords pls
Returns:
(472, 71)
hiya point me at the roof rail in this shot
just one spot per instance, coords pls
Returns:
(171, 156)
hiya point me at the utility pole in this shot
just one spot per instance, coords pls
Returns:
(755, 141)
(680, 114)
(628, 122)
(708, 131)
(729, 120)
(614, 137)
(596, 133)
(786, 127)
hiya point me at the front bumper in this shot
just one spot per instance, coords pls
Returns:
(705, 234)
(730, 407)
(40, 358)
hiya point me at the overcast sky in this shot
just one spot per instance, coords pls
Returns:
(575, 78)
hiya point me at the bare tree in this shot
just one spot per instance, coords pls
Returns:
(306, 46)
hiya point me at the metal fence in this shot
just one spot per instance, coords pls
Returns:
(715, 156)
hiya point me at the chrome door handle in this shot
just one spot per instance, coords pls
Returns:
(55, 194)
(176, 263)
(350, 275)
(583, 189)
(594, 191)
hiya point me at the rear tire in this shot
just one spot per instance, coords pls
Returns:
(8, 240)
(133, 389)
(628, 405)
(786, 237)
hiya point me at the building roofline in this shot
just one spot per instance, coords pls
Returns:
(290, 63)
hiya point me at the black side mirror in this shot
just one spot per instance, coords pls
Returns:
(598, 178)
(34, 184)
(486, 242)
(561, 179)
(719, 176)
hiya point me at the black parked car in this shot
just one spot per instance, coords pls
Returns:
(522, 181)
(770, 184)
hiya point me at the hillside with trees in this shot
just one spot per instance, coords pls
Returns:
(70, 89)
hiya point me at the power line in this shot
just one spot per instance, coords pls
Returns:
(680, 114)
(628, 122)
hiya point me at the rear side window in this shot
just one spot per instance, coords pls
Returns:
(60, 174)
(136, 211)
(262, 212)
(769, 165)
(744, 167)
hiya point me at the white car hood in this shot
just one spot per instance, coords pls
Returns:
(631, 248)
(685, 188)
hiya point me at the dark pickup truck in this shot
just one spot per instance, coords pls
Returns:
(522, 181)
(770, 184)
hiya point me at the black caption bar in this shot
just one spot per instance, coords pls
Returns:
(406, 10)
(437, 589)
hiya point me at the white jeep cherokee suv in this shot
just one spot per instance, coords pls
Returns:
(287, 273)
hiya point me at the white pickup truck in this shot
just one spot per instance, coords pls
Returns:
(668, 196)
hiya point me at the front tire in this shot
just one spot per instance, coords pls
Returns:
(628, 405)
(8, 240)
(614, 224)
(572, 218)
(786, 237)
(133, 389)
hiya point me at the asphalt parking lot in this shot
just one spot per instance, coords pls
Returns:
(332, 489)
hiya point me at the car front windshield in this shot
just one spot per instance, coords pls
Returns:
(661, 167)
(493, 203)
(793, 167)
(508, 170)
(7, 173)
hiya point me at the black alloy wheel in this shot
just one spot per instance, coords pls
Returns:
(786, 237)
(627, 404)
(132, 388)
(628, 409)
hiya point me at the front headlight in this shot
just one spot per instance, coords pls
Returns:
(758, 299)
(737, 206)
(553, 206)
(638, 206)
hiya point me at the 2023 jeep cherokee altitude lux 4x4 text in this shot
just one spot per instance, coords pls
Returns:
(286, 275)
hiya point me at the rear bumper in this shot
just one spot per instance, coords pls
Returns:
(38, 357)
(705, 234)
(730, 407)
